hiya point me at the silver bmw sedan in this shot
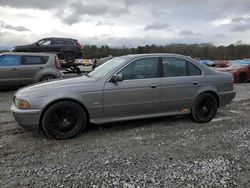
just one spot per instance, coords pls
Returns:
(124, 88)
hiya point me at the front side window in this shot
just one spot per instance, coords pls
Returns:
(141, 69)
(177, 67)
(34, 60)
(44, 42)
(10, 60)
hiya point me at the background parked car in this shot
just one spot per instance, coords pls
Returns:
(208, 63)
(20, 69)
(240, 71)
(65, 48)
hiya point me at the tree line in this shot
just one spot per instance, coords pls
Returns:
(199, 51)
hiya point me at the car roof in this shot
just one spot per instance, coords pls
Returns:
(28, 53)
(60, 38)
(155, 54)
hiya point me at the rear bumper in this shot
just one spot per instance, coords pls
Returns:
(28, 119)
(226, 97)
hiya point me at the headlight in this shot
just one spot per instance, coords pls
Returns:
(21, 104)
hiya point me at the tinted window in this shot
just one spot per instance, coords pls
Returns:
(58, 42)
(174, 67)
(45, 42)
(193, 69)
(69, 42)
(141, 69)
(10, 60)
(34, 60)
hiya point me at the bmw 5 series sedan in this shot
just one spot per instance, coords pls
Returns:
(124, 88)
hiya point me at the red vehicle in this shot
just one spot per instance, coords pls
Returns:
(241, 72)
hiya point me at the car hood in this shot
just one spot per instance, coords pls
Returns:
(79, 84)
(23, 46)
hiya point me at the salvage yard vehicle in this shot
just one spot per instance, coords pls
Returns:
(65, 48)
(240, 71)
(124, 88)
(21, 69)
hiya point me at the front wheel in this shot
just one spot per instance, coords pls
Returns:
(47, 78)
(204, 108)
(64, 120)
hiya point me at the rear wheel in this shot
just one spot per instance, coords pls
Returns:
(64, 120)
(47, 78)
(242, 78)
(204, 108)
(69, 57)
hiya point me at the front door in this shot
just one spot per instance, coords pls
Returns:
(137, 94)
(9, 70)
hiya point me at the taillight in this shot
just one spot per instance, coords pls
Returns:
(57, 63)
(79, 46)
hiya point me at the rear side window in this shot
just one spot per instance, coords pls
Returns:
(34, 60)
(174, 67)
(58, 42)
(177, 67)
(193, 69)
(69, 42)
(10, 60)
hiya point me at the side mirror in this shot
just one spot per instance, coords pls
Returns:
(117, 78)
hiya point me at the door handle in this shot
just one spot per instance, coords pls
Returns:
(153, 86)
(195, 83)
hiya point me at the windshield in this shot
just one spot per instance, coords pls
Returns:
(106, 67)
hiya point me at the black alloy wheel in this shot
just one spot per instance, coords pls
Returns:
(242, 78)
(47, 78)
(69, 57)
(204, 108)
(64, 120)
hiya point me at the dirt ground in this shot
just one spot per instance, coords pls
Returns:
(161, 152)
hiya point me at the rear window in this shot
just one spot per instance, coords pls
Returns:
(10, 60)
(34, 60)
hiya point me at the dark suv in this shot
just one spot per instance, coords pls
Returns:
(65, 48)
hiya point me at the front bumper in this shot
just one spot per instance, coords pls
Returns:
(226, 97)
(28, 119)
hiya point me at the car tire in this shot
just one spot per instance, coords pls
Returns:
(47, 78)
(69, 57)
(204, 108)
(242, 78)
(64, 120)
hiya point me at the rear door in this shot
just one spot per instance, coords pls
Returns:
(137, 94)
(9, 70)
(57, 45)
(179, 84)
(30, 68)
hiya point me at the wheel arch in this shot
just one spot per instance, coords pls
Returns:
(211, 92)
(62, 99)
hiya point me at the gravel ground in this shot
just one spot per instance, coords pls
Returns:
(162, 152)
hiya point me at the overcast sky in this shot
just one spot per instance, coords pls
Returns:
(125, 22)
